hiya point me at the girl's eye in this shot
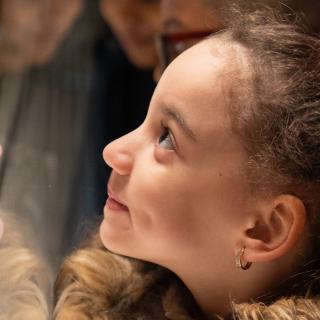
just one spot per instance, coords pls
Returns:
(165, 141)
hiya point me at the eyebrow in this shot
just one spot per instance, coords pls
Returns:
(176, 116)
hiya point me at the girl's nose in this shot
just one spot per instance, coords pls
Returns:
(119, 154)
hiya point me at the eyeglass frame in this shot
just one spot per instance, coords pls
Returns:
(164, 40)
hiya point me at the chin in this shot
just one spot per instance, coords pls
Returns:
(103, 232)
(119, 245)
(112, 241)
(142, 60)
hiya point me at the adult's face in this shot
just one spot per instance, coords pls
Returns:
(135, 23)
(33, 29)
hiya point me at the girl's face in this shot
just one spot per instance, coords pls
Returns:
(178, 188)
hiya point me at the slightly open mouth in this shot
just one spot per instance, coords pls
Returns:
(113, 204)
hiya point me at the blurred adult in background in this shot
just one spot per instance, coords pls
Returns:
(134, 23)
(122, 90)
(31, 31)
(46, 65)
(129, 60)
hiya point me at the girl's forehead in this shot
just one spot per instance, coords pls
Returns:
(218, 51)
(195, 84)
(196, 62)
(201, 69)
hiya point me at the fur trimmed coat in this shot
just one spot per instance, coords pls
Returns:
(96, 284)
(25, 278)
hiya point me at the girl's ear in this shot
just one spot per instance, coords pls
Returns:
(1, 228)
(275, 230)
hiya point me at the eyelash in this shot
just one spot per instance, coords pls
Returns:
(166, 133)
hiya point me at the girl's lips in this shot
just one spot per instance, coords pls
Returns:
(114, 205)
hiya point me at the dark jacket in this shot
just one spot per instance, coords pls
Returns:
(120, 98)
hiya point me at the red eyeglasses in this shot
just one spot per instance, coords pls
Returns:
(170, 45)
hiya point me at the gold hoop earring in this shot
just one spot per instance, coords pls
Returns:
(239, 262)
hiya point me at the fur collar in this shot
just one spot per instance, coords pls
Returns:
(96, 284)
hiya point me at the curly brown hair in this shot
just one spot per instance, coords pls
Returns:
(275, 110)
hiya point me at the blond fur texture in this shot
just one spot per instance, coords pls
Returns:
(283, 309)
(25, 281)
(96, 284)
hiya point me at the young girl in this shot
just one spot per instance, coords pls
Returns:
(218, 189)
